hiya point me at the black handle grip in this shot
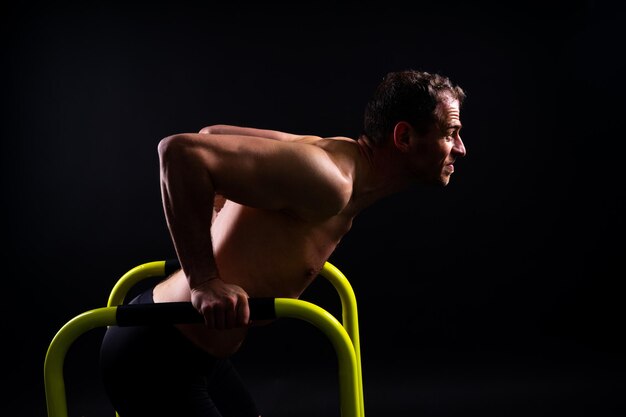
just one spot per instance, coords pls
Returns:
(171, 266)
(182, 312)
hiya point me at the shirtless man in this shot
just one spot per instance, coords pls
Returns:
(257, 213)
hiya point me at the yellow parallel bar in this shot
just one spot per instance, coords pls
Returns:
(350, 317)
(132, 277)
(55, 357)
(338, 336)
(329, 271)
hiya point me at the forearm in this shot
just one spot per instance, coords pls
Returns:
(188, 200)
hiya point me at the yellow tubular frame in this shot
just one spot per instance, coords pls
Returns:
(350, 319)
(132, 277)
(344, 337)
(55, 357)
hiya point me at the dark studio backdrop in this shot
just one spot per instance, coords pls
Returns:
(499, 295)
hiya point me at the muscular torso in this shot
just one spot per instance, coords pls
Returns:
(268, 254)
(272, 254)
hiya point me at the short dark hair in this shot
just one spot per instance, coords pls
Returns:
(410, 96)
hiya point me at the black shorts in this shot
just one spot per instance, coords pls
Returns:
(156, 371)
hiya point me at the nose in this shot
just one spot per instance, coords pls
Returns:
(459, 147)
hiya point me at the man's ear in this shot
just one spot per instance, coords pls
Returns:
(402, 136)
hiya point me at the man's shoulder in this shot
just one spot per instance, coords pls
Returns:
(340, 138)
(322, 141)
(338, 144)
(335, 145)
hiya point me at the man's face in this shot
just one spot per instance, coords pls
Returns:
(434, 153)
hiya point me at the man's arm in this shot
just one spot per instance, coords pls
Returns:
(249, 170)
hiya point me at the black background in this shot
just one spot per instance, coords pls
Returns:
(499, 295)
